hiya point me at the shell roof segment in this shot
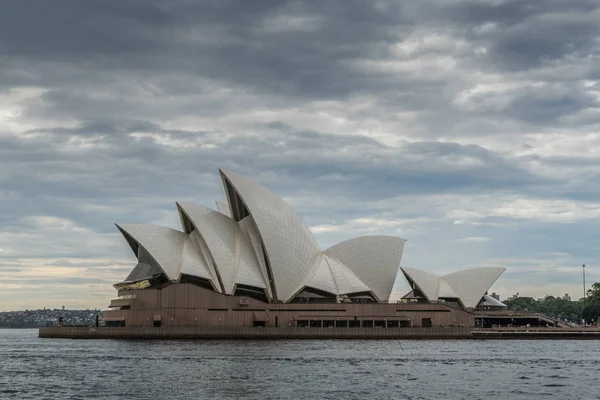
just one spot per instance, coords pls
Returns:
(146, 267)
(290, 247)
(426, 282)
(347, 282)
(322, 279)
(248, 272)
(471, 284)
(373, 259)
(249, 229)
(234, 260)
(193, 262)
(165, 245)
(468, 286)
(445, 291)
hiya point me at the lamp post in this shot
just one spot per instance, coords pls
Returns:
(584, 294)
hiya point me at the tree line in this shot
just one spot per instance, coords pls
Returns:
(559, 308)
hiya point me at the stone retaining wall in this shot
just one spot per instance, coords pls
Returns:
(253, 333)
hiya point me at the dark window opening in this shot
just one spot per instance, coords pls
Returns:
(454, 303)
(157, 324)
(115, 324)
(312, 295)
(193, 280)
(360, 297)
(426, 323)
(259, 324)
(353, 323)
(252, 292)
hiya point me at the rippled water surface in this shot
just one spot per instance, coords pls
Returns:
(33, 368)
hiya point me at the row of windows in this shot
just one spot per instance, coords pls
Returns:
(352, 324)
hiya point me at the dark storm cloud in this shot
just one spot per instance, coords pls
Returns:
(526, 34)
(539, 105)
(294, 51)
(228, 41)
(112, 110)
(285, 53)
(72, 27)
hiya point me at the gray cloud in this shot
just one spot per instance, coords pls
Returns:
(436, 120)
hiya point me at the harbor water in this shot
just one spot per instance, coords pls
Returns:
(34, 368)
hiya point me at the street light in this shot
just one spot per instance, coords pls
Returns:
(584, 294)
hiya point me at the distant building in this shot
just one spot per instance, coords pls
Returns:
(496, 296)
(567, 297)
(513, 297)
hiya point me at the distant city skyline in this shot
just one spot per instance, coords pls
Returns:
(468, 128)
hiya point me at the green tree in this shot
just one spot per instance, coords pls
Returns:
(591, 311)
(554, 307)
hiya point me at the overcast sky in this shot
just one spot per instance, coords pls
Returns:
(470, 128)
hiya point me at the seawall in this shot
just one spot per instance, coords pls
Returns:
(252, 333)
(172, 333)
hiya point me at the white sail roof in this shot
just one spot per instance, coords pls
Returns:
(426, 282)
(218, 233)
(164, 245)
(146, 267)
(445, 291)
(193, 262)
(249, 229)
(232, 253)
(248, 272)
(290, 247)
(373, 259)
(346, 281)
(468, 286)
(322, 278)
(471, 284)
(206, 256)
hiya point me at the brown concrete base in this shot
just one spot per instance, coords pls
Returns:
(253, 333)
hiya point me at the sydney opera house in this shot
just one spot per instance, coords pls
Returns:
(253, 262)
